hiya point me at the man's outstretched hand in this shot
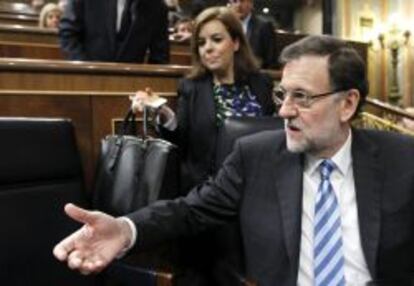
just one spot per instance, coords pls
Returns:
(99, 241)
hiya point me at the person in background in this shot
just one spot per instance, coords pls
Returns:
(198, 6)
(260, 32)
(175, 12)
(183, 30)
(50, 16)
(115, 31)
(224, 81)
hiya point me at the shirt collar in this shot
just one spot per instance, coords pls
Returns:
(342, 159)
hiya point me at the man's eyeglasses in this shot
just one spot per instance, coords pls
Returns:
(299, 98)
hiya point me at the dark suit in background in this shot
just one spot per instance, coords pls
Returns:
(87, 31)
(260, 185)
(199, 5)
(261, 36)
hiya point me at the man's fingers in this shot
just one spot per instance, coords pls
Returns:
(86, 262)
(60, 252)
(67, 245)
(93, 265)
(75, 260)
(80, 215)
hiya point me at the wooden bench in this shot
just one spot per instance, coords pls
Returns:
(15, 49)
(30, 50)
(16, 19)
(19, 33)
(177, 46)
(32, 74)
(17, 8)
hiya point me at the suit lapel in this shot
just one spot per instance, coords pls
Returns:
(289, 170)
(205, 90)
(110, 21)
(367, 176)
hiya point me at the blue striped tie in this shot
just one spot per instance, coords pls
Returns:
(328, 253)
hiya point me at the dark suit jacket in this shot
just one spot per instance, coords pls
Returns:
(87, 31)
(197, 129)
(197, 6)
(261, 185)
(261, 36)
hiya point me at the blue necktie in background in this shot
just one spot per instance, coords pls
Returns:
(328, 249)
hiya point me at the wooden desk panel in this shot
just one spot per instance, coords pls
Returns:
(19, 33)
(180, 58)
(180, 52)
(30, 51)
(14, 19)
(183, 47)
(52, 51)
(25, 74)
(17, 8)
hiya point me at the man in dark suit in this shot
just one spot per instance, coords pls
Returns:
(197, 6)
(259, 32)
(115, 31)
(319, 203)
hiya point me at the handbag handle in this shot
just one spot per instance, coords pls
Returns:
(129, 125)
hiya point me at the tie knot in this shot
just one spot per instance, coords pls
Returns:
(326, 168)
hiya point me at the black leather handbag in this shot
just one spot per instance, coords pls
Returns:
(134, 171)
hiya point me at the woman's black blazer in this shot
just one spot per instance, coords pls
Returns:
(197, 129)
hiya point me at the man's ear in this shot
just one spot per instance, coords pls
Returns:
(350, 104)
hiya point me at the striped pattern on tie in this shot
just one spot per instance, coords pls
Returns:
(328, 250)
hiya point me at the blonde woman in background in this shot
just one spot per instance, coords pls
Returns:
(50, 16)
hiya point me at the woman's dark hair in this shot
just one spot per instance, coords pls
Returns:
(346, 67)
(244, 61)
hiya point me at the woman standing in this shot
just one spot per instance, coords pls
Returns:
(224, 81)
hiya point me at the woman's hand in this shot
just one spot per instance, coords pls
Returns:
(146, 98)
(140, 99)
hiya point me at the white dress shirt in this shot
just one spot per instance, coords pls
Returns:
(342, 179)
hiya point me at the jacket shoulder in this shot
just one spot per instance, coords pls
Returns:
(385, 138)
(392, 145)
(260, 77)
(264, 140)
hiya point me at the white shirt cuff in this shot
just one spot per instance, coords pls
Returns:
(171, 123)
(133, 229)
